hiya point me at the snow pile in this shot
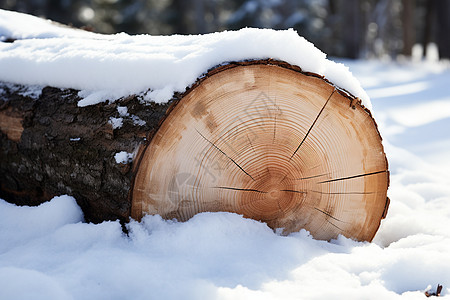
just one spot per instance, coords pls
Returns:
(113, 66)
(19, 224)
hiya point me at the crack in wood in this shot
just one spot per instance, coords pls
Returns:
(334, 218)
(344, 193)
(221, 151)
(312, 125)
(329, 222)
(239, 189)
(293, 191)
(354, 176)
(328, 214)
(311, 177)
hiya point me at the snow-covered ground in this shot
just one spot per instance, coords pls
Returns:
(48, 252)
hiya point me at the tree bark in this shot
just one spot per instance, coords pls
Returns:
(258, 138)
(50, 146)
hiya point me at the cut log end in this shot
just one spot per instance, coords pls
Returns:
(273, 144)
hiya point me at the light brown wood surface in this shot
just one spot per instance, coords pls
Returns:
(270, 143)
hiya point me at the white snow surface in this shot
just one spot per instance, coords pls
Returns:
(107, 67)
(123, 157)
(48, 252)
(116, 122)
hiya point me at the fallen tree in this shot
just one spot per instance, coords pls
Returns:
(260, 138)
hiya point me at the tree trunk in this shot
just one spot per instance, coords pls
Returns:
(352, 29)
(443, 28)
(429, 20)
(50, 146)
(408, 26)
(258, 138)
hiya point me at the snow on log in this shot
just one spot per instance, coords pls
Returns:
(271, 139)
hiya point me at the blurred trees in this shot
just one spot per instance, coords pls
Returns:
(345, 28)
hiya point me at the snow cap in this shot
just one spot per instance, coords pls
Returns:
(107, 67)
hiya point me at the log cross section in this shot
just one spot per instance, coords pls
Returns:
(272, 143)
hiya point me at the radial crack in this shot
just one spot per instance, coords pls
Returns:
(310, 177)
(239, 189)
(293, 191)
(312, 125)
(220, 150)
(343, 193)
(334, 225)
(354, 176)
(328, 214)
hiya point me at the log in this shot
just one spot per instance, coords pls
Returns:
(259, 138)
(50, 146)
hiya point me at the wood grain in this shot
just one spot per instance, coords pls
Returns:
(273, 144)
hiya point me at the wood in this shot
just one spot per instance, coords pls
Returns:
(272, 144)
(258, 138)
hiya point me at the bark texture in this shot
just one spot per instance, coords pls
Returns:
(49, 146)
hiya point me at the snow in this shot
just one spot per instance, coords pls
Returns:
(123, 111)
(116, 122)
(123, 157)
(31, 91)
(137, 121)
(107, 67)
(49, 252)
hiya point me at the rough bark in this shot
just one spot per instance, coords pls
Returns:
(50, 146)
